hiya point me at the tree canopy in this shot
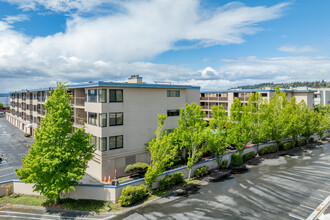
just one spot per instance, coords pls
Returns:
(58, 158)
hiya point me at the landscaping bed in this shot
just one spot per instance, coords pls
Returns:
(68, 204)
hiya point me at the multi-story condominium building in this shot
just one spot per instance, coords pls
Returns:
(322, 96)
(226, 98)
(122, 117)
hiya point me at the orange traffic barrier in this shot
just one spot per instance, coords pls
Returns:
(105, 179)
(115, 173)
(109, 180)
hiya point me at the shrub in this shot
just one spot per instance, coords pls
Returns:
(236, 159)
(311, 140)
(170, 180)
(27, 135)
(288, 145)
(268, 149)
(138, 168)
(248, 156)
(224, 164)
(132, 194)
(201, 171)
(302, 141)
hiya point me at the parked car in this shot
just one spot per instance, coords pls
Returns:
(2, 113)
(1, 158)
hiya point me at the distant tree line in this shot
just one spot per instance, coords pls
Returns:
(314, 84)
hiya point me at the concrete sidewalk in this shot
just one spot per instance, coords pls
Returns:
(322, 212)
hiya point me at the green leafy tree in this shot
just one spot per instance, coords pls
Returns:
(293, 118)
(216, 133)
(58, 158)
(310, 122)
(238, 130)
(1, 106)
(257, 114)
(191, 131)
(276, 115)
(161, 153)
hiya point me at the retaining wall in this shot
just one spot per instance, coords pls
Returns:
(108, 192)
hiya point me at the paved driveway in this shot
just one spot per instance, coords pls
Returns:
(13, 145)
(287, 187)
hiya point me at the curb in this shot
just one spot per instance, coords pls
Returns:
(320, 209)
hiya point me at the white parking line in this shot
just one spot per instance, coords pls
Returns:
(306, 207)
(42, 215)
(7, 175)
(8, 168)
(296, 217)
(21, 217)
(316, 199)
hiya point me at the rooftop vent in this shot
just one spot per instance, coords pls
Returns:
(135, 79)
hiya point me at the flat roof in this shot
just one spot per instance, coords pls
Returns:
(258, 90)
(114, 84)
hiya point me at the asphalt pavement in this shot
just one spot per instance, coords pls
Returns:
(13, 145)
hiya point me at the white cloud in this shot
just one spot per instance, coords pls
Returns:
(296, 49)
(17, 18)
(61, 5)
(111, 47)
(253, 70)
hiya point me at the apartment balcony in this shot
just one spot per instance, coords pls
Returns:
(79, 121)
(204, 98)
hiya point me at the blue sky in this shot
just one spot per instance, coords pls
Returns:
(215, 44)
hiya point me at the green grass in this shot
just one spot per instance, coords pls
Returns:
(81, 204)
(76, 204)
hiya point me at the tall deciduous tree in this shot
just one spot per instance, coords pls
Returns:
(192, 132)
(238, 131)
(58, 158)
(276, 117)
(161, 153)
(216, 133)
(257, 114)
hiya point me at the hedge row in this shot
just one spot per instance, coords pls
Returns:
(201, 171)
(268, 149)
(236, 159)
(170, 180)
(132, 194)
(248, 156)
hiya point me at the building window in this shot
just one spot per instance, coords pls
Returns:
(264, 94)
(35, 96)
(175, 112)
(92, 118)
(92, 95)
(103, 120)
(116, 119)
(93, 141)
(102, 95)
(173, 93)
(39, 96)
(115, 142)
(102, 144)
(116, 95)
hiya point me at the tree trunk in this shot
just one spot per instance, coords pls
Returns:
(189, 173)
(57, 202)
(257, 148)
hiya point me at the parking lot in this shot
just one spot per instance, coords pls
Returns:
(13, 145)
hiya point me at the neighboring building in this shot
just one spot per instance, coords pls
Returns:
(226, 98)
(122, 117)
(322, 96)
(4, 99)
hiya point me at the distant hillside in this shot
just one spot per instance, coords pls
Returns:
(315, 84)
